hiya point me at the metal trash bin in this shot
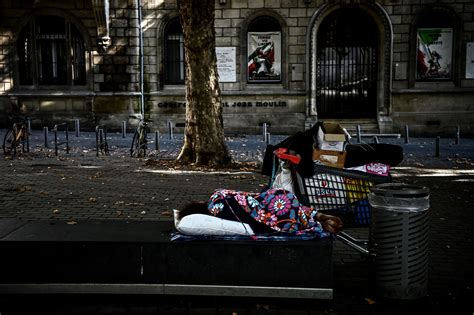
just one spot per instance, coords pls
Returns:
(399, 239)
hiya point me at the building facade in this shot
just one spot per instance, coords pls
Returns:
(382, 64)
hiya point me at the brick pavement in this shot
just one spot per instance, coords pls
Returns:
(80, 186)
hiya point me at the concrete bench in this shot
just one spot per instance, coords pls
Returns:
(137, 257)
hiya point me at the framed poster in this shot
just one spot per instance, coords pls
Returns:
(264, 57)
(470, 60)
(226, 64)
(434, 53)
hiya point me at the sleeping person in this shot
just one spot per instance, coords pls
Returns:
(271, 211)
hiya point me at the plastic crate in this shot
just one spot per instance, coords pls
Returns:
(343, 193)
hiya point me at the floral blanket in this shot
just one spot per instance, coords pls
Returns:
(273, 210)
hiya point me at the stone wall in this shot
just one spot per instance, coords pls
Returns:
(113, 86)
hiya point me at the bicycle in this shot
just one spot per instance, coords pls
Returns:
(139, 142)
(16, 135)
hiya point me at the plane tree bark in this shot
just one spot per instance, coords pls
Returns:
(204, 142)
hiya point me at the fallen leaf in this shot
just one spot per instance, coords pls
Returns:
(71, 222)
(369, 301)
(92, 199)
(56, 211)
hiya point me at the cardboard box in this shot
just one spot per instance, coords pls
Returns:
(333, 139)
(330, 158)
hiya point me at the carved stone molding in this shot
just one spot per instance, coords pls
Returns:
(101, 14)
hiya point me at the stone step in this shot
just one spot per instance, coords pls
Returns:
(367, 126)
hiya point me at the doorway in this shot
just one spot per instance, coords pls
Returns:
(346, 65)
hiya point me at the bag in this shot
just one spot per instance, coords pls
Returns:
(301, 143)
(283, 178)
(361, 154)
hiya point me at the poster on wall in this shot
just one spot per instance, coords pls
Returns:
(434, 54)
(264, 57)
(226, 64)
(470, 60)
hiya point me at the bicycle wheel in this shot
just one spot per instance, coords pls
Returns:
(135, 148)
(9, 143)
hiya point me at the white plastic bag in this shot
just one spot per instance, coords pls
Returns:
(283, 178)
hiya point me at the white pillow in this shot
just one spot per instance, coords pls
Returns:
(203, 224)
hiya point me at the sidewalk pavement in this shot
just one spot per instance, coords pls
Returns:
(80, 185)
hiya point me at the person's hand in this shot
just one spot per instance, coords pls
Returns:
(330, 223)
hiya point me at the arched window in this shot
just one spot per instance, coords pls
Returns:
(434, 45)
(174, 53)
(51, 51)
(264, 49)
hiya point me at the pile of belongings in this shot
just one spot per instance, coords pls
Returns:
(328, 144)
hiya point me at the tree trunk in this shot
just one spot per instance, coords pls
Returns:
(204, 142)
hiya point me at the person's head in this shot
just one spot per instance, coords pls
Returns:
(192, 208)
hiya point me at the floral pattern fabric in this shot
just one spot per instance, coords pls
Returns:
(278, 209)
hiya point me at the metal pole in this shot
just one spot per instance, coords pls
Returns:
(407, 137)
(437, 147)
(45, 133)
(124, 129)
(67, 139)
(140, 39)
(96, 140)
(264, 127)
(157, 139)
(28, 133)
(458, 130)
(56, 141)
(359, 136)
(170, 128)
(267, 138)
(77, 127)
(102, 139)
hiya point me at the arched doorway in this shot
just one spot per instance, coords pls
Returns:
(346, 65)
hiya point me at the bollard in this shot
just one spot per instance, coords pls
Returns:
(28, 124)
(264, 129)
(45, 133)
(359, 136)
(267, 138)
(101, 140)
(437, 147)
(66, 142)
(28, 134)
(55, 142)
(124, 129)
(407, 137)
(97, 146)
(170, 129)
(77, 127)
(456, 140)
(157, 138)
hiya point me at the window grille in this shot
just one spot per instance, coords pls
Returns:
(174, 53)
(51, 51)
(346, 65)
